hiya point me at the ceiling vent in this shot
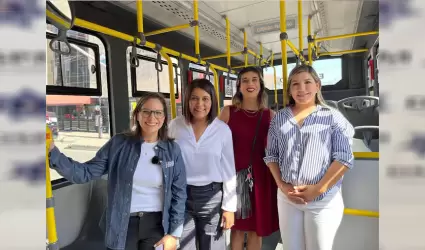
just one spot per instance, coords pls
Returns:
(209, 27)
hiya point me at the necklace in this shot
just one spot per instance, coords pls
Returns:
(250, 113)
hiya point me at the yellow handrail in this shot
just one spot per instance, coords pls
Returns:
(107, 31)
(255, 55)
(346, 36)
(171, 81)
(275, 87)
(244, 66)
(358, 212)
(261, 54)
(228, 42)
(57, 19)
(300, 27)
(216, 87)
(343, 52)
(222, 55)
(366, 155)
(196, 19)
(52, 236)
(283, 44)
(310, 45)
(245, 45)
(295, 50)
(139, 6)
(168, 29)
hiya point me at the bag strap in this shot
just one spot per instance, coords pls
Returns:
(255, 138)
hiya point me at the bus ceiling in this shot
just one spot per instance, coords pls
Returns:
(258, 22)
(254, 28)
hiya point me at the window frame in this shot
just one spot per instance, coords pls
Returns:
(63, 90)
(200, 71)
(231, 78)
(62, 182)
(133, 76)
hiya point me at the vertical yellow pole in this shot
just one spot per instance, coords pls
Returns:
(228, 41)
(245, 45)
(300, 27)
(139, 16)
(315, 45)
(196, 19)
(310, 53)
(50, 209)
(171, 81)
(216, 87)
(283, 45)
(261, 54)
(274, 80)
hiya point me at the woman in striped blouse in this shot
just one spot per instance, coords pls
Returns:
(309, 149)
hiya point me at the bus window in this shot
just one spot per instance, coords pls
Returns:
(79, 122)
(329, 70)
(146, 78)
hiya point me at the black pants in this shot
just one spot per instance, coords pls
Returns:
(202, 227)
(144, 231)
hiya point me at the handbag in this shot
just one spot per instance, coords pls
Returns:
(245, 183)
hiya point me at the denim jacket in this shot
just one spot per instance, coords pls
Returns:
(118, 158)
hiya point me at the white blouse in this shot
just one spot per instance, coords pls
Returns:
(211, 159)
(148, 193)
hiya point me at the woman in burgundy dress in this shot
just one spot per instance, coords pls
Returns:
(249, 120)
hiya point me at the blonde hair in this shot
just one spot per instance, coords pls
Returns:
(262, 97)
(300, 69)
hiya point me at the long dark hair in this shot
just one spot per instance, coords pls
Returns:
(262, 95)
(207, 86)
(136, 129)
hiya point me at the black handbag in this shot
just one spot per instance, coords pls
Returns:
(245, 183)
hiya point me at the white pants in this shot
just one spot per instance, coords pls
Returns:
(312, 226)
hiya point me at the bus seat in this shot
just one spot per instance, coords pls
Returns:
(360, 146)
(332, 103)
(71, 206)
(91, 236)
(360, 110)
(360, 191)
(369, 135)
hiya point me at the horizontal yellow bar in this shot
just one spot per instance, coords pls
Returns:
(58, 19)
(346, 36)
(364, 213)
(169, 29)
(366, 155)
(243, 66)
(107, 31)
(221, 56)
(343, 52)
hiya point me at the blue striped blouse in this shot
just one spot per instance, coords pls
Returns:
(305, 153)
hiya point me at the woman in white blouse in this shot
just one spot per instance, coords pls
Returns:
(207, 149)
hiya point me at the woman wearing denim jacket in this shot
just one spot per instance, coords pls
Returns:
(146, 180)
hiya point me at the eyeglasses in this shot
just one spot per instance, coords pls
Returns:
(156, 113)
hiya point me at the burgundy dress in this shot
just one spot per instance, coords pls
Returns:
(264, 220)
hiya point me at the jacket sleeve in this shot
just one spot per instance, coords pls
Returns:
(77, 172)
(178, 196)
